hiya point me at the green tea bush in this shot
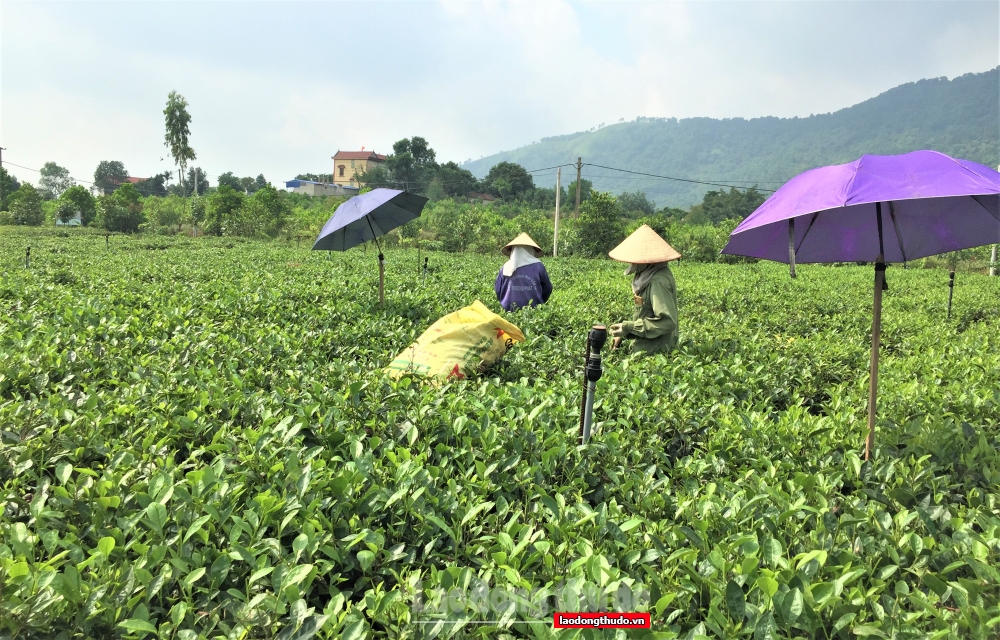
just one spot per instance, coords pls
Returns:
(197, 441)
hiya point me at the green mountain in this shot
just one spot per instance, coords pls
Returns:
(959, 117)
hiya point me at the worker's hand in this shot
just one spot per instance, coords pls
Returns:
(618, 330)
(617, 342)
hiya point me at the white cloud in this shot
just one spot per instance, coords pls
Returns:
(276, 88)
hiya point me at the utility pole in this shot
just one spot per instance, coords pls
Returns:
(579, 165)
(555, 220)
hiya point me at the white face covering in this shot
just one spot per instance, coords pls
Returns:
(643, 274)
(519, 257)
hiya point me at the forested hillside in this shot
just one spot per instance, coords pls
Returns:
(959, 117)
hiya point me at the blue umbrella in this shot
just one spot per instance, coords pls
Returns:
(366, 217)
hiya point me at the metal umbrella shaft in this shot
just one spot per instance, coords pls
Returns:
(951, 290)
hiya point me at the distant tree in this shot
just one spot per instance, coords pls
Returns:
(54, 180)
(264, 214)
(227, 179)
(122, 210)
(108, 175)
(65, 211)
(178, 121)
(260, 182)
(8, 185)
(248, 185)
(26, 206)
(79, 201)
(377, 176)
(165, 212)
(221, 209)
(155, 186)
(735, 204)
(314, 177)
(586, 186)
(508, 180)
(456, 181)
(189, 183)
(634, 205)
(600, 228)
(420, 151)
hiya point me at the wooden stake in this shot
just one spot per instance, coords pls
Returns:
(876, 339)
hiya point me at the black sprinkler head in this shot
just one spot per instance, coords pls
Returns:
(598, 336)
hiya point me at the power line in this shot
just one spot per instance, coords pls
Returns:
(653, 175)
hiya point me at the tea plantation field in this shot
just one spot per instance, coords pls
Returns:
(197, 441)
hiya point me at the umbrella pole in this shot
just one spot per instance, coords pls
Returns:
(791, 246)
(381, 279)
(876, 340)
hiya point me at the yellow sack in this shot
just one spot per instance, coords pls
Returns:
(459, 345)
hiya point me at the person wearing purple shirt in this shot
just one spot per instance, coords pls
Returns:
(522, 280)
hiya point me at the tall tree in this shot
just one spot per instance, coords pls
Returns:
(155, 186)
(26, 206)
(600, 227)
(122, 210)
(635, 204)
(201, 182)
(79, 201)
(228, 179)
(508, 180)
(178, 122)
(55, 179)
(108, 175)
(730, 205)
(8, 185)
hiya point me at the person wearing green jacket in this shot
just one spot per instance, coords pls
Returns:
(654, 327)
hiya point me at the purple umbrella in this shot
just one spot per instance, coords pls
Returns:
(876, 209)
(366, 217)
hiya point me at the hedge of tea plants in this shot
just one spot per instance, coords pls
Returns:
(197, 441)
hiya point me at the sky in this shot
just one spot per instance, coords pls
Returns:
(278, 87)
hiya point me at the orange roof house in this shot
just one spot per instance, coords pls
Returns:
(347, 164)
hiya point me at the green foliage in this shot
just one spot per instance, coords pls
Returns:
(227, 179)
(54, 180)
(26, 207)
(721, 205)
(600, 228)
(8, 185)
(222, 208)
(198, 441)
(82, 202)
(264, 214)
(121, 211)
(508, 180)
(635, 204)
(168, 212)
(203, 182)
(312, 177)
(586, 188)
(108, 175)
(155, 186)
(177, 121)
(957, 117)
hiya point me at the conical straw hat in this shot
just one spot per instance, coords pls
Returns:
(644, 246)
(523, 240)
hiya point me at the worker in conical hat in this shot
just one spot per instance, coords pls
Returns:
(523, 280)
(654, 326)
